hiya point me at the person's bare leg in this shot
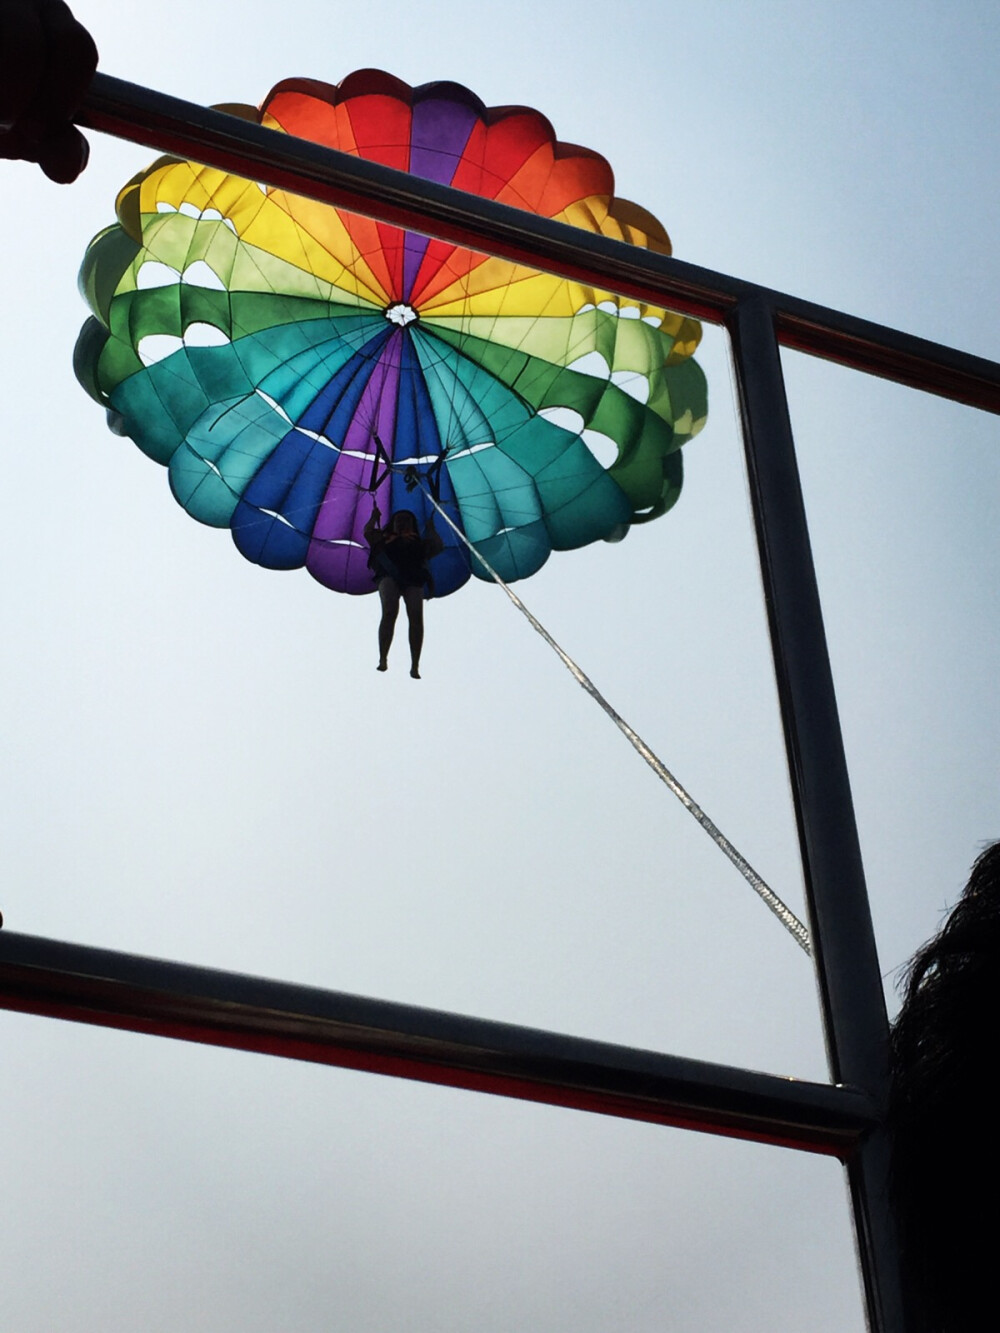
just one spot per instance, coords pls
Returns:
(389, 594)
(414, 599)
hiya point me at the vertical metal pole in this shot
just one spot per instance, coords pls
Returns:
(843, 941)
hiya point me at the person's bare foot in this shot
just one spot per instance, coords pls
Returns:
(414, 673)
(383, 666)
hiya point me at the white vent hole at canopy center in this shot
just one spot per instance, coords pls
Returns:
(401, 314)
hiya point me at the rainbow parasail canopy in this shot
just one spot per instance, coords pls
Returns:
(261, 345)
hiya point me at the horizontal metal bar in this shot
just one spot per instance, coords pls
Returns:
(117, 990)
(231, 144)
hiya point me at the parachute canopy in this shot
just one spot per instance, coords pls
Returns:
(256, 343)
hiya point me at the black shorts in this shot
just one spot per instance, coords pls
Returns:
(383, 567)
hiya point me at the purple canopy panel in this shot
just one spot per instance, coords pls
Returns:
(440, 130)
(338, 552)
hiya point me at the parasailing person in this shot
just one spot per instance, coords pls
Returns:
(399, 561)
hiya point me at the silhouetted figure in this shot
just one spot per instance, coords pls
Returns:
(944, 1111)
(399, 562)
(47, 60)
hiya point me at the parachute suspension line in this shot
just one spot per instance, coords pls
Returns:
(379, 456)
(784, 913)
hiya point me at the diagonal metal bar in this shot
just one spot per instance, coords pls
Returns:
(220, 140)
(109, 989)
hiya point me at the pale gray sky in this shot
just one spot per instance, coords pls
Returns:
(204, 765)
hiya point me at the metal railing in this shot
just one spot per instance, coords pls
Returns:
(844, 1118)
(97, 986)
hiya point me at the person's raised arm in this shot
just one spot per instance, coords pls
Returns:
(372, 527)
